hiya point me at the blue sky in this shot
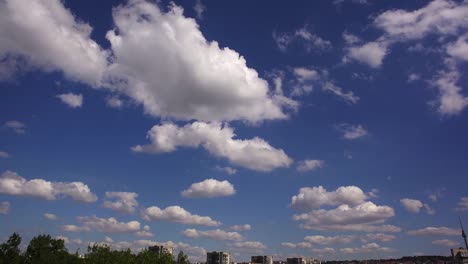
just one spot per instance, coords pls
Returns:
(329, 129)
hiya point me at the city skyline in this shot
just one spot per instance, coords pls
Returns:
(326, 129)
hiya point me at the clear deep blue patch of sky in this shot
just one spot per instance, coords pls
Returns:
(411, 150)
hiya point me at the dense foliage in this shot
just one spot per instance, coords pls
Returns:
(44, 249)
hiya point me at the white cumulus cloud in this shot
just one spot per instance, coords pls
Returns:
(209, 188)
(13, 184)
(165, 63)
(352, 132)
(109, 225)
(309, 165)
(314, 197)
(412, 205)
(50, 216)
(177, 214)
(46, 35)
(124, 202)
(218, 139)
(71, 99)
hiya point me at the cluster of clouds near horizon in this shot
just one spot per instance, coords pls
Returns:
(159, 59)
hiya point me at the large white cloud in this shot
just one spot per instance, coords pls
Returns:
(177, 214)
(163, 61)
(109, 225)
(218, 139)
(13, 184)
(314, 197)
(209, 188)
(435, 231)
(124, 202)
(217, 234)
(46, 35)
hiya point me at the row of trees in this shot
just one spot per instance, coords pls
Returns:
(44, 249)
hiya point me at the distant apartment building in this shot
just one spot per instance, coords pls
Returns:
(261, 259)
(460, 255)
(279, 262)
(161, 249)
(218, 257)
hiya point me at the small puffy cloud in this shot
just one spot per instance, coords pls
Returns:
(371, 53)
(199, 9)
(305, 74)
(435, 231)
(177, 214)
(309, 165)
(348, 97)
(4, 155)
(227, 169)
(209, 188)
(367, 248)
(412, 205)
(446, 243)
(459, 49)
(218, 139)
(124, 202)
(352, 132)
(311, 41)
(217, 234)
(442, 17)
(165, 63)
(145, 232)
(17, 126)
(4, 207)
(378, 237)
(245, 227)
(114, 102)
(50, 216)
(61, 42)
(13, 184)
(109, 225)
(326, 250)
(314, 197)
(71, 99)
(331, 240)
(413, 77)
(248, 245)
(297, 245)
(451, 100)
(462, 204)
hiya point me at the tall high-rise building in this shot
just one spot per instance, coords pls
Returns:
(295, 261)
(218, 257)
(262, 259)
(161, 249)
